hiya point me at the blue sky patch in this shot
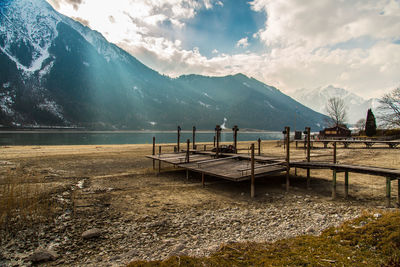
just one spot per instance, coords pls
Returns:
(222, 27)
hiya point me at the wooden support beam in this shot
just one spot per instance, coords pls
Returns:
(179, 138)
(194, 137)
(287, 132)
(252, 172)
(259, 146)
(334, 172)
(388, 191)
(398, 192)
(202, 179)
(308, 133)
(334, 185)
(218, 135)
(205, 147)
(235, 129)
(187, 151)
(154, 152)
(346, 184)
(159, 161)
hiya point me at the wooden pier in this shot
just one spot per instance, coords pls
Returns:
(241, 167)
(346, 143)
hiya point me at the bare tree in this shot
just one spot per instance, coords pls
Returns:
(360, 125)
(337, 111)
(390, 108)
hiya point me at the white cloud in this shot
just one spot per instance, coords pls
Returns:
(348, 44)
(315, 43)
(244, 42)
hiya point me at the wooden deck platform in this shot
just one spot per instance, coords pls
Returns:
(229, 166)
(346, 143)
(378, 171)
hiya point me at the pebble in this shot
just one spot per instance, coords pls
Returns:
(42, 255)
(92, 233)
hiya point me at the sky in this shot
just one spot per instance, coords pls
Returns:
(289, 44)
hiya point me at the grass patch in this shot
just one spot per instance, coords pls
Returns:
(25, 200)
(365, 241)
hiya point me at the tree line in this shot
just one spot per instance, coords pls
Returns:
(389, 113)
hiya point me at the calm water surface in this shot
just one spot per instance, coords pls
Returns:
(120, 137)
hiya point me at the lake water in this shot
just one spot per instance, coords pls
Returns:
(120, 137)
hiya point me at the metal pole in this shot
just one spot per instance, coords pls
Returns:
(252, 171)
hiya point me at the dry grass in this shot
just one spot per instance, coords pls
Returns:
(24, 200)
(365, 241)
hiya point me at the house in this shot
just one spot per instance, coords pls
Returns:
(337, 131)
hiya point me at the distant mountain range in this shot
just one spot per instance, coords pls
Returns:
(317, 99)
(56, 72)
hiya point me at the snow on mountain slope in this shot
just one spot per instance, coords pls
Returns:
(317, 99)
(29, 27)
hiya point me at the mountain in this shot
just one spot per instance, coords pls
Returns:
(56, 72)
(317, 99)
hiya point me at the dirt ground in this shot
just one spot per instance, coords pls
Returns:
(146, 215)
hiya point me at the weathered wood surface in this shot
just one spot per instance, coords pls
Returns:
(346, 143)
(233, 169)
(379, 171)
(177, 158)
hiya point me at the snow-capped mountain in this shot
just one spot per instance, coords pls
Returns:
(317, 100)
(55, 71)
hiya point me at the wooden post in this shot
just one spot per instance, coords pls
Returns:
(159, 160)
(334, 172)
(235, 129)
(308, 133)
(398, 192)
(154, 152)
(205, 147)
(179, 138)
(388, 191)
(334, 152)
(334, 185)
(214, 140)
(346, 184)
(218, 132)
(194, 137)
(202, 179)
(252, 171)
(259, 146)
(287, 132)
(187, 150)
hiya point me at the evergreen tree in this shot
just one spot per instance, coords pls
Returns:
(370, 124)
